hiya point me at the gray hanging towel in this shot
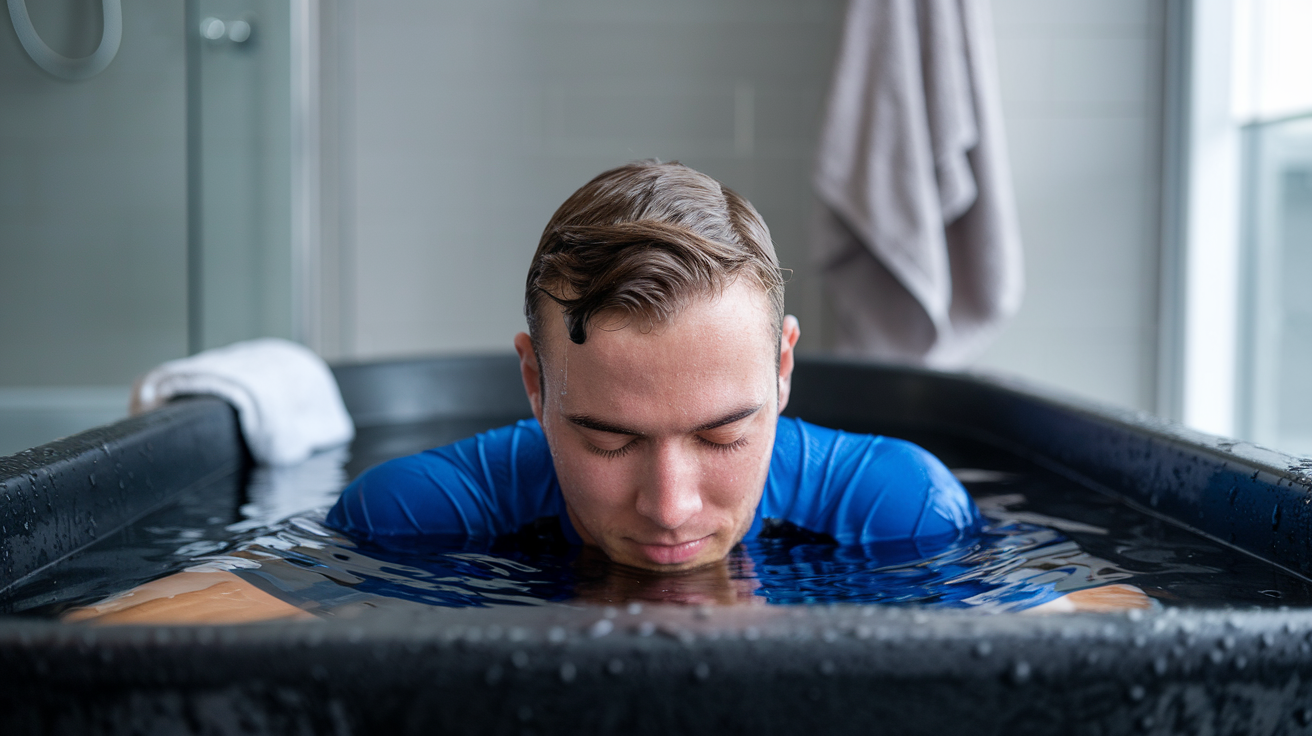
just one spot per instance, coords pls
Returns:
(915, 226)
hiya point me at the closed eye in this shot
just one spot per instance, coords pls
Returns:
(617, 452)
(721, 446)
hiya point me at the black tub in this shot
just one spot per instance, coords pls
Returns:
(833, 669)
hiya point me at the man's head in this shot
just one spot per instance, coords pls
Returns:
(658, 361)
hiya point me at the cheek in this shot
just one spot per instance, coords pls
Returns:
(590, 481)
(734, 480)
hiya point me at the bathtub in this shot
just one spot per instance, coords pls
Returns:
(667, 669)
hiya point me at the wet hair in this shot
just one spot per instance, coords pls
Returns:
(642, 241)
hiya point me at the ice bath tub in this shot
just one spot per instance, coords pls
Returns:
(668, 669)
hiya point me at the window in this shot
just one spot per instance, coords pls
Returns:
(1245, 269)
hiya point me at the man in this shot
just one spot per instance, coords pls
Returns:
(657, 362)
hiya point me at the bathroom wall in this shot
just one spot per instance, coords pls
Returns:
(454, 127)
(466, 123)
(461, 125)
(1082, 93)
(92, 218)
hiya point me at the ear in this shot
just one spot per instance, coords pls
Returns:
(530, 372)
(787, 342)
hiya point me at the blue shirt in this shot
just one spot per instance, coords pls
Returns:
(855, 488)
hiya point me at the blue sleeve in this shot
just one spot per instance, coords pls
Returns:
(863, 488)
(482, 487)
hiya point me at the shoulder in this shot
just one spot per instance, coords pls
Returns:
(862, 488)
(479, 486)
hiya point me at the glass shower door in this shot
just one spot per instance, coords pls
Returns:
(240, 175)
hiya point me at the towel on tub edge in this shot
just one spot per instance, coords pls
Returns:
(287, 401)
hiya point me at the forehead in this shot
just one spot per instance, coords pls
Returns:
(715, 352)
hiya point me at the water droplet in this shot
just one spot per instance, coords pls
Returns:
(1020, 673)
(1159, 666)
(556, 635)
(1137, 693)
(1233, 494)
(525, 713)
(1275, 518)
(634, 608)
(751, 633)
(493, 674)
(1228, 642)
(615, 666)
(983, 649)
(519, 659)
(1303, 716)
(702, 671)
(646, 628)
(827, 667)
(568, 672)
(1268, 639)
(601, 628)
(1217, 656)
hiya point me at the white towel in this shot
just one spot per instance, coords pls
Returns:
(916, 226)
(286, 398)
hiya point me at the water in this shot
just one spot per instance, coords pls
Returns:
(1044, 537)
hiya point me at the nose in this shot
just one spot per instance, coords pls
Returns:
(670, 494)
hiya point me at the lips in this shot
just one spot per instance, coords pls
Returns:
(673, 554)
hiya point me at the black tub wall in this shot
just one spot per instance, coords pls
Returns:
(67, 494)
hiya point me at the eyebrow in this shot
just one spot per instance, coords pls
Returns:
(589, 422)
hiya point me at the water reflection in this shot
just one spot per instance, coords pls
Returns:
(1044, 547)
(1010, 566)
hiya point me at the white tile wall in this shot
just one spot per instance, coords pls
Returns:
(472, 121)
(1081, 84)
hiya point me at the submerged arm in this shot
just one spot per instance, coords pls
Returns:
(190, 598)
